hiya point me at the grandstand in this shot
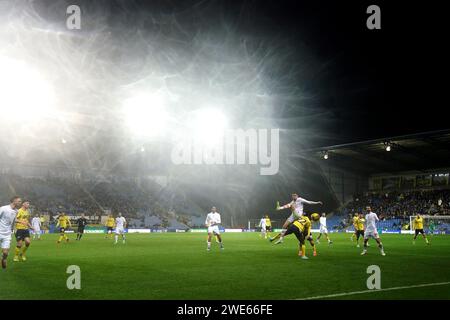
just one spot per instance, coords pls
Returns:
(397, 184)
(397, 176)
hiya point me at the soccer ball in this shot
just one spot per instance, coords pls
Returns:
(315, 217)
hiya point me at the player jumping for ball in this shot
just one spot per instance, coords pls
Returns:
(296, 205)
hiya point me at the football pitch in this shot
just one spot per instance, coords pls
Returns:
(177, 266)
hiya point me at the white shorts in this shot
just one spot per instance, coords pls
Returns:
(5, 241)
(323, 229)
(214, 229)
(371, 234)
(36, 230)
(120, 230)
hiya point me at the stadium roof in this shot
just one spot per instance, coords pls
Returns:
(415, 152)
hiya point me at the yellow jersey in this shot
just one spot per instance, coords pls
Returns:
(304, 225)
(63, 221)
(355, 221)
(418, 223)
(110, 222)
(360, 224)
(22, 219)
(268, 222)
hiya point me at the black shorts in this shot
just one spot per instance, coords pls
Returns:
(109, 229)
(21, 234)
(359, 233)
(295, 230)
(268, 228)
(80, 230)
(62, 230)
(419, 231)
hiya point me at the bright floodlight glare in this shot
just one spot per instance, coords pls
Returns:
(63, 141)
(325, 155)
(23, 91)
(209, 126)
(388, 148)
(145, 114)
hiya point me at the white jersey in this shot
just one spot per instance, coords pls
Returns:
(213, 218)
(7, 217)
(297, 206)
(262, 223)
(323, 222)
(36, 223)
(371, 222)
(120, 222)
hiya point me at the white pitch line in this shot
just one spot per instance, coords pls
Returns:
(375, 290)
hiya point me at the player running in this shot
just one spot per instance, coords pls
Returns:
(63, 223)
(212, 222)
(418, 228)
(36, 224)
(296, 206)
(121, 223)
(23, 227)
(371, 231)
(7, 216)
(82, 223)
(110, 224)
(323, 228)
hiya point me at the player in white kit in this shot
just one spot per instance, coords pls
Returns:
(262, 225)
(7, 217)
(371, 231)
(120, 228)
(36, 224)
(212, 222)
(323, 228)
(296, 206)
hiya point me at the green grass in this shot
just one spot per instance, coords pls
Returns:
(177, 266)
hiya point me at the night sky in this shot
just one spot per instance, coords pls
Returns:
(369, 83)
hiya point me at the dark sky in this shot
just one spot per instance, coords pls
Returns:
(377, 83)
(373, 83)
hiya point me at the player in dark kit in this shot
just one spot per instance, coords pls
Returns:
(82, 223)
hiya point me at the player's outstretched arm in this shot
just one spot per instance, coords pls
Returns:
(311, 202)
(286, 206)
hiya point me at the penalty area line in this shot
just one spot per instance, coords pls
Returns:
(375, 290)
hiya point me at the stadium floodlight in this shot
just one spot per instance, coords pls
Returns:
(23, 91)
(63, 141)
(325, 155)
(209, 125)
(142, 149)
(145, 114)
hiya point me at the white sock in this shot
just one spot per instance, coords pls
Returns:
(209, 245)
(116, 237)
